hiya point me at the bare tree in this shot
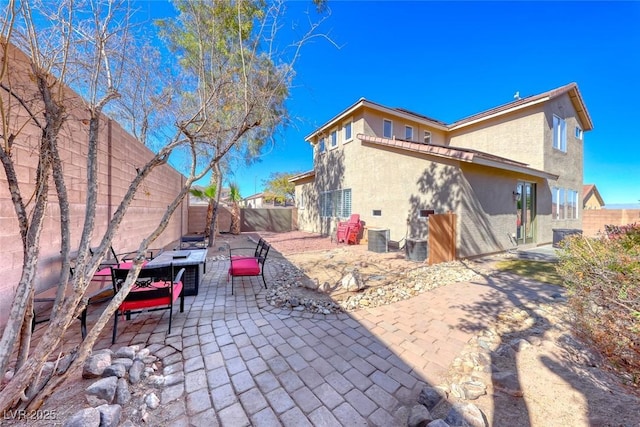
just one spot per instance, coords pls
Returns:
(234, 99)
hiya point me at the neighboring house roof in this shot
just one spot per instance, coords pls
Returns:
(254, 196)
(589, 190)
(458, 153)
(571, 89)
(301, 176)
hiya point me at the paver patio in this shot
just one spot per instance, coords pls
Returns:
(236, 360)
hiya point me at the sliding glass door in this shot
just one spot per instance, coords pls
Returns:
(526, 212)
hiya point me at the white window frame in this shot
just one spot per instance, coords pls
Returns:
(349, 137)
(427, 137)
(384, 128)
(559, 134)
(333, 139)
(300, 201)
(579, 133)
(321, 145)
(335, 204)
(565, 202)
(408, 133)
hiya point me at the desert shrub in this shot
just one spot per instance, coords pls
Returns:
(603, 278)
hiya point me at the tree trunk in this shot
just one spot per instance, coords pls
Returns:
(216, 204)
(235, 219)
(31, 246)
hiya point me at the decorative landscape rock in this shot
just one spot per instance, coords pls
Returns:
(419, 416)
(465, 415)
(116, 370)
(473, 389)
(109, 415)
(135, 371)
(123, 395)
(152, 401)
(102, 391)
(372, 291)
(431, 396)
(87, 417)
(132, 367)
(95, 365)
(352, 281)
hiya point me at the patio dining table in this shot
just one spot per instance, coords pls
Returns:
(193, 260)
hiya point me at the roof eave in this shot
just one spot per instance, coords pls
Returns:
(336, 118)
(514, 168)
(300, 177)
(581, 109)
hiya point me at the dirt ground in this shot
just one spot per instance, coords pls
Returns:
(560, 380)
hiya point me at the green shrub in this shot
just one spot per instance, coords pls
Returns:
(603, 278)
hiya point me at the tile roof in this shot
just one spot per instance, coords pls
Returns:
(571, 88)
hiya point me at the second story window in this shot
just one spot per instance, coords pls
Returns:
(347, 132)
(334, 139)
(408, 133)
(387, 128)
(427, 137)
(578, 133)
(321, 146)
(559, 134)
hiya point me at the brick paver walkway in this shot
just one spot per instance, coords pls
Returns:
(234, 360)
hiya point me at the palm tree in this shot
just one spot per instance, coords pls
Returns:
(235, 197)
(208, 194)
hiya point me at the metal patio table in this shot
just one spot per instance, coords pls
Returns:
(193, 260)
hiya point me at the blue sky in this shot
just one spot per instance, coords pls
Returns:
(448, 60)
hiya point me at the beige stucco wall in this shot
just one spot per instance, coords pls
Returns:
(516, 136)
(373, 122)
(119, 154)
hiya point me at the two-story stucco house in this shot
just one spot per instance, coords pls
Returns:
(512, 174)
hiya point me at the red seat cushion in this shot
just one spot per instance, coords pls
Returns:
(154, 300)
(106, 271)
(244, 267)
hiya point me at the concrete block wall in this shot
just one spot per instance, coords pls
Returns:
(119, 154)
(198, 218)
(593, 221)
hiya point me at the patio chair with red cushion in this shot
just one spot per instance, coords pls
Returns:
(243, 266)
(154, 289)
(348, 231)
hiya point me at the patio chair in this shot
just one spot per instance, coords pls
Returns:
(154, 289)
(243, 266)
(99, 290)
(348, 231)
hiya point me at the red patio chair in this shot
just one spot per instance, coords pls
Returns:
(154, 289)
(242, 266)
(348, 231)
